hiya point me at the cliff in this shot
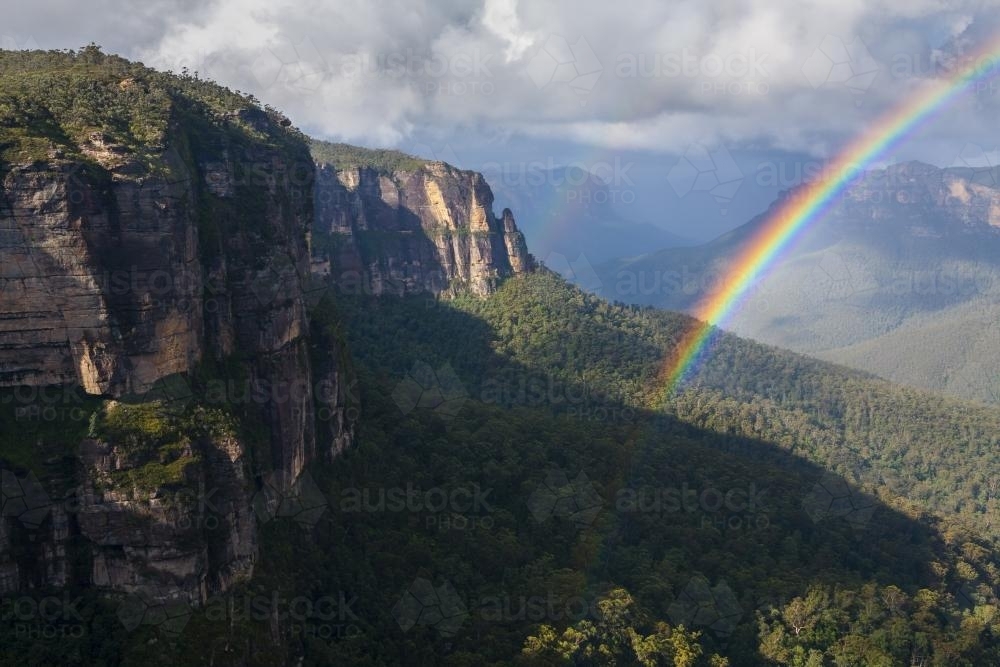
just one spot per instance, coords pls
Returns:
(170, 361)
(153, 231)
(389, 223)
(926, 200)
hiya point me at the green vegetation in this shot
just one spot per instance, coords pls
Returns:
(52, 103)
(522, 490)
(552, 379)
(938, 452)
(345, 156)
(156, 442)
(611, 639)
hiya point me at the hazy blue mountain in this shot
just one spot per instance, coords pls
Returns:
(567, 212)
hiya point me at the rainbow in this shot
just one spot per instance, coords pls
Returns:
(809, 203)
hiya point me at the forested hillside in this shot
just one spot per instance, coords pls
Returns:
(519, 494)
(938, 451)
(655, 513)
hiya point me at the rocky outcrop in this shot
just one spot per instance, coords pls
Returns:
(945, 202)
(121, 270)
(174, 270)
(123, 529)
(114, 281)
(101, 281)
(429, 228)
(190, 539)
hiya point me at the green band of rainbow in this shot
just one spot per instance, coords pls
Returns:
(809, 203)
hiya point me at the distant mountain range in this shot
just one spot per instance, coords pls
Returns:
(567, 212)
(901, 277)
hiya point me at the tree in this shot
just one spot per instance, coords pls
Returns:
(613, 639)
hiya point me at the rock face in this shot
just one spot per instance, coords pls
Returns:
(101, 281)
(177, 274)
(952, 201)
(425, 229)
(191, 541)
(113, 282)
(117, 274)
(180, 540)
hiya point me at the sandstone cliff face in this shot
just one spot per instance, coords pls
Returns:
(124, 272)
(930, 201)
(113, 285)
(192, 540)
(116, 275)
(427, 229)
(76, 258)
(183, 539)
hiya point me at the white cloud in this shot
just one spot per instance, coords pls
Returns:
(644, 74)
(500, 18)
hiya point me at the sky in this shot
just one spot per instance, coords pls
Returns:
(696, 113)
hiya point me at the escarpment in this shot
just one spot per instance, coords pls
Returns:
(157, 263)
(168, 368)
(410, 226)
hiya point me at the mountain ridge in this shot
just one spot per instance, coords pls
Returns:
(401, 225)
(901, 247)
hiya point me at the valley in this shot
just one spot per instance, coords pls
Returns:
(899, 278)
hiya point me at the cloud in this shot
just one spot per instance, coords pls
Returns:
(646, 74)
(500, 18)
